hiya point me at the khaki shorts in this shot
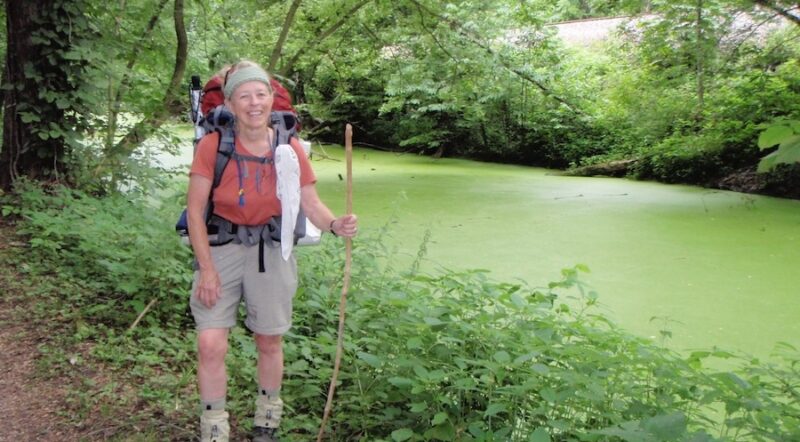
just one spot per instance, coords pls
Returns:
(268, 296)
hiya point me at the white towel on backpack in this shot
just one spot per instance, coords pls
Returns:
(287, 168)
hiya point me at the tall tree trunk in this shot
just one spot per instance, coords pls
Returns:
(149, 124)
(287, 24)
(35, 125)
(172, 99)
(700, 53)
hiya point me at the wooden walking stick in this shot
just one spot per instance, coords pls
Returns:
(348, 257)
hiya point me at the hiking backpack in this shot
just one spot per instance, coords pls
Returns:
(219, 119)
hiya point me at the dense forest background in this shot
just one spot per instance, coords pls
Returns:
(679, 93)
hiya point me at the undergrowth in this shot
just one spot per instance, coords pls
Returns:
(452, 356)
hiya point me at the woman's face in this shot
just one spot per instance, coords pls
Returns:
(251, 104)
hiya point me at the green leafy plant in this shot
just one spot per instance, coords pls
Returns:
(785, 135)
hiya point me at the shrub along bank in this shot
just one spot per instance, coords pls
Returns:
(451, 356)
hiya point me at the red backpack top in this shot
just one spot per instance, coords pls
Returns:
(213, 97)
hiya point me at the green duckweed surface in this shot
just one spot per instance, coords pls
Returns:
(718, 268)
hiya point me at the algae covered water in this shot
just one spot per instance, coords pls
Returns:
(715, 268)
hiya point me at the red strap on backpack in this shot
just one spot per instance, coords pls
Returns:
(212, 95)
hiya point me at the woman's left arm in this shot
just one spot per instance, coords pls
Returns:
(322, 217)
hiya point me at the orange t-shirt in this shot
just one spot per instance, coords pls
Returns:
(259, 182)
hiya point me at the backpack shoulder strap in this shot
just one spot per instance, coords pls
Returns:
(285, 125)
(225, 148)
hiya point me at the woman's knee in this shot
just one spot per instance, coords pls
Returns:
(269, 344)
(212, 345)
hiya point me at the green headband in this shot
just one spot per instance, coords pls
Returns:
(243, 75)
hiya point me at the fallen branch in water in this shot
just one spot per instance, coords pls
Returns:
(616, 168)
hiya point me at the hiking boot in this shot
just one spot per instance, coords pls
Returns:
(214, 426)
(262, 434)
(268, 412)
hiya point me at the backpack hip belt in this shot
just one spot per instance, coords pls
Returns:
(222, 232)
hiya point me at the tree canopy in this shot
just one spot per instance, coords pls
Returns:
(680, 92)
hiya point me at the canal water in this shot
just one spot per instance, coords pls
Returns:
(714, 268)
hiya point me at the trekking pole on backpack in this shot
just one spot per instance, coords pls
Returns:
(195, 90)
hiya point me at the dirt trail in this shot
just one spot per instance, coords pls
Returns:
(29, 405)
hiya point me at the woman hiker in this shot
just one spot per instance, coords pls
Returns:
(251, 265)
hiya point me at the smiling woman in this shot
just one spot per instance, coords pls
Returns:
(239, 207)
